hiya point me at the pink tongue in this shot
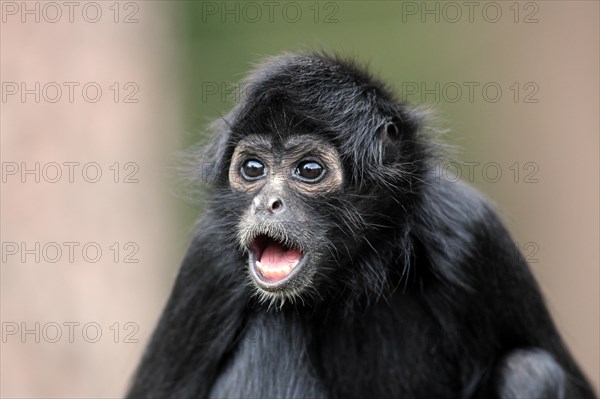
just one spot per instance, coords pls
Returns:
(276, 256)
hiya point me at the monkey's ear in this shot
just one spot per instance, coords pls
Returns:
(390, 133)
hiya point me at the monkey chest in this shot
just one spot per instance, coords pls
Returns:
(270, 360)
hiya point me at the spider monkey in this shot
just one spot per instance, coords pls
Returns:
(333, 262)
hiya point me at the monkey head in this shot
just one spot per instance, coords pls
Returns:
(314, 167)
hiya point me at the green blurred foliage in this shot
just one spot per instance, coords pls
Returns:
(223, 39)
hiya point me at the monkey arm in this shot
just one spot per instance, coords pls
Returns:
(199, 323)
(473, 252)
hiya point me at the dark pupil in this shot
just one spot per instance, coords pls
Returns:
(310, 170)
(253, 168)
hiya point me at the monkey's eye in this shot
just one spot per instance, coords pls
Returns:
(252, 169)
(309, 171)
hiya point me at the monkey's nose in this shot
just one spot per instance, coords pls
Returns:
(275, 205)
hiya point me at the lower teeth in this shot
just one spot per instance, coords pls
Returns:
(285, 269)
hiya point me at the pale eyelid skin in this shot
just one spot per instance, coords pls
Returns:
(281, 168)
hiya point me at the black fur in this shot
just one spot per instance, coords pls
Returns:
(424, 294)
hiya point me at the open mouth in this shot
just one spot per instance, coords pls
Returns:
(272, 261)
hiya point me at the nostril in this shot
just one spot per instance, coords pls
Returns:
(275, 205)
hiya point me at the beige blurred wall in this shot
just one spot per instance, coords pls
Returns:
(140, 136)
(555, 218)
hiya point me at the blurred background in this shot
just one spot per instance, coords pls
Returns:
(99, 97)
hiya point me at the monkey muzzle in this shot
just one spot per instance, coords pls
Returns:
(273, 262)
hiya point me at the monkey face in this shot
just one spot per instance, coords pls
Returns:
(284, 234)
